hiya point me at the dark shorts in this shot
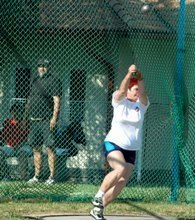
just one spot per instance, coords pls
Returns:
(41, 134)
(129, 155)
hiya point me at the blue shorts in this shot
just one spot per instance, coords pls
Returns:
(129, 155)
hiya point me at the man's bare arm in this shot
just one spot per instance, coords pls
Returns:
(55, 111)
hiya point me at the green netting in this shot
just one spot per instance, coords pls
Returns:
(90, 45)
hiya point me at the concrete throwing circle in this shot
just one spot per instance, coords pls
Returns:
(107, 218)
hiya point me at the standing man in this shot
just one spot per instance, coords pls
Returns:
(124, 139)
(43, 109)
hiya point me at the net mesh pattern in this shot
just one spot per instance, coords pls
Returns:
(88, 46)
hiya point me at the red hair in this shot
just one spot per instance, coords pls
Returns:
(133, 82)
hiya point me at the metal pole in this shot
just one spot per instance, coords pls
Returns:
(178, 102)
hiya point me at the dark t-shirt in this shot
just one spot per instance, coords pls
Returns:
(41, 104)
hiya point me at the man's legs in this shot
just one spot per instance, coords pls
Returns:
(37, 161)
(36, 142)
(49, 142)
(37, 151)
(51, 161)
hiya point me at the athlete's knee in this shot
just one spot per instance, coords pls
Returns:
(123, 180)
(124, 172)
(120, 171)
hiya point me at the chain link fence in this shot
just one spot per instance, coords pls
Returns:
(85, 48)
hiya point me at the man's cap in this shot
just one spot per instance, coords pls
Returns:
(44, 62)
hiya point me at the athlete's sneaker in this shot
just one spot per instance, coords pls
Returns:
(34, 180)
(50, 181)
(97, 213)
(97, 202)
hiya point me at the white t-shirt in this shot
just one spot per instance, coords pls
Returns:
(127, 122)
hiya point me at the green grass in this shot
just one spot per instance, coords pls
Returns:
(83, 192)
(19, 199)
(40, 207)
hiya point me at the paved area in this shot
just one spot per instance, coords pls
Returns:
(107, 218)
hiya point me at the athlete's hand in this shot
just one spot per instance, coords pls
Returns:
(132, 69)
